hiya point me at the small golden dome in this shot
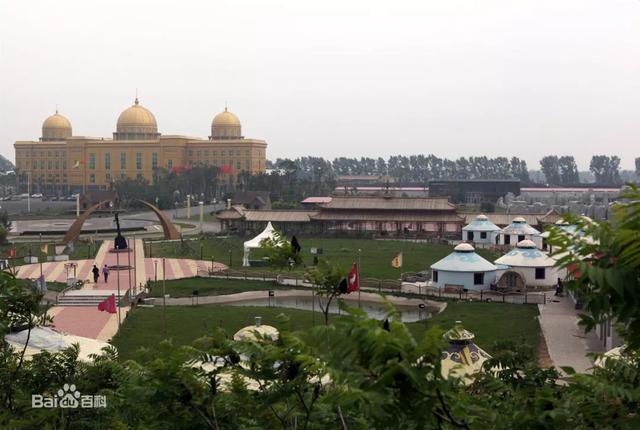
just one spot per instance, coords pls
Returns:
(56, 127)
(136, 122)
(226, 125)
(225, 118)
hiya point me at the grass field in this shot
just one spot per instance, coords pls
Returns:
(82, 250)
(210, 287)
(375, 256)
(144, 327)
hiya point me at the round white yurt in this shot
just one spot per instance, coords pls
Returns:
(480, 230)
(518, 231)
(527, 266)
(463, 268)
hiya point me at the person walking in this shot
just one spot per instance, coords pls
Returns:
(96, 273)
(105, 273)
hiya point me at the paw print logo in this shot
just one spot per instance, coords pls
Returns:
(68, 396)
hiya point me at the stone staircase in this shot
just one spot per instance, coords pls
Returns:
(86, 297)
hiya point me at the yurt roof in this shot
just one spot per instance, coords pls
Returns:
(463, 259)
(481, 223)
(519, 226)
(525, 254)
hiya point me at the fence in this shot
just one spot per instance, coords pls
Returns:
(386, 286)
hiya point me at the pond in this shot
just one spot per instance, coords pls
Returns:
(373, 309)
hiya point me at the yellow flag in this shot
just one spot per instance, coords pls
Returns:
(76, 164)
(45, 248)
(396, 261)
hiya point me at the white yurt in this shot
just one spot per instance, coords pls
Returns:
(463, 268)
(480, 230)
(526, 265)
(46, 339)
(518, 231)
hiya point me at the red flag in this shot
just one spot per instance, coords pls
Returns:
(108, 304)
(12, 252)
(226, 168)
(353, 279)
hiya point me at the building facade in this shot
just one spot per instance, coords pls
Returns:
(59, 162)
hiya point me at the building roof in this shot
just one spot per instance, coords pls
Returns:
(56, 121)
(235, 212)
(135, 117)
(316, 200)
(481, 223)
(226, 118)
(278, 215)
(389, 203)
(519, 226)
(247, 197)
(526, 255)
(384, 216)
(463, 259)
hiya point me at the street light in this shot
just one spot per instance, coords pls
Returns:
(155, 263)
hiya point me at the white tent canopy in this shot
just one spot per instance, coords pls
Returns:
(268, 233)
(46, 339)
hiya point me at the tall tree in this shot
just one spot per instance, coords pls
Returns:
(606, 169)
(551, 169)
(568, 170)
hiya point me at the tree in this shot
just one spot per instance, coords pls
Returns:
(551, 169)
(603, 259)
(327, 278)
(568, 170)
(638, 166)
(606, 169)
(280, 252)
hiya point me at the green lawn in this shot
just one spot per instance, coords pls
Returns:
(375, 257)
(82, 250)
(144, 327)
(210, 287)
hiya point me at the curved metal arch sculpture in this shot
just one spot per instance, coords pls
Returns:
(170, 231)
(76, 228)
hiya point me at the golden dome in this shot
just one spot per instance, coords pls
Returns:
(226, 125)
(56, 127)
(225, 118)
(136, 122)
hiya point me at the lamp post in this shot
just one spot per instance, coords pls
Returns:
(164, 298)
(229, 258)
(188, 206)
(29, 191)
(155, 263)
(201, 204)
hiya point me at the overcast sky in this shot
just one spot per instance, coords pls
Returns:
(335, 77)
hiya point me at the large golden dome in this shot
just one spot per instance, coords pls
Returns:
(56, 127)
(136, 122)
(226, 125)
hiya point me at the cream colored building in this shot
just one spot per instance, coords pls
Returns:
(60, 162)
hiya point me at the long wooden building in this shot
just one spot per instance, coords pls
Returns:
(359, 215)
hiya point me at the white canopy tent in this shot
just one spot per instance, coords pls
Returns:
(46, 339)
(268, 233)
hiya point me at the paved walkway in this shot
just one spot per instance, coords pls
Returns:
(566, 341)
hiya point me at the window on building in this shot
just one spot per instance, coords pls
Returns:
(64, 153)
(139, 160)
(247, 165)
(49, 153)
(92, 161)
(169, 164)
(107, 161)
(198, 153)
(123, 160)
(64, 164)
(223, 153)
(507, 239)
(56, 153)
(238, 165)
(41, 164)
(483, 235)
(57, 165)
(92, 178)
(215, 153)
(469, 235)
(520, 237)
(434, 276)
(190, 153)
(154, 160)
(34, 164)
(50, 165)
(248, 152)
(107, 177)
(540, 273)
(478, 278)
(206, 152)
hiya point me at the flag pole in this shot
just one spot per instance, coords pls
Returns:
(164, 298)
(118, 278)
(40, 259)
(358, 276)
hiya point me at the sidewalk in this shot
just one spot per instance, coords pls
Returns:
(567, 343)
